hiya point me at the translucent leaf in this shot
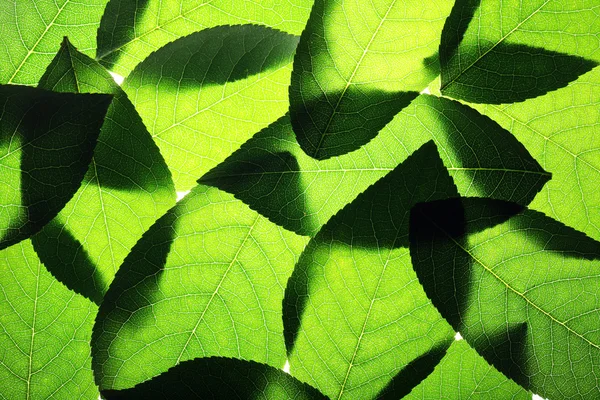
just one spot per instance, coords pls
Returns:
(203, 95)
(359, 63)
(31, 33)
(354, 312)
(206, 280)
(521, 288)
(274, 176)
(131, 30)
(45, 331)
(463, 374)
(126, 188)
(46, 144)
(561, 130)
(219, 378)
(507, 51)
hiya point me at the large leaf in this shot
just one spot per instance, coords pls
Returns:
(274, 176)
(206, 280)
(31, 33)
(45, 331)
(202, 96)
(46, 143)
(354, 312)
(131, 30)
(502, 51)
(358, 63)
(219, 378)
(562, 131)
(463, 374)
(522, 289)
(127, 186)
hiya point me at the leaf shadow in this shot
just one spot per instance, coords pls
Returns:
(455, 27)
(337, 123)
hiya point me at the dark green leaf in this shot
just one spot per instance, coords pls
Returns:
(219, 378)
(203, 95)
(206, 280)
(506, 51)
(354, 313)
(521, 288)
(46, 143)
(359, 63)
(126, 188)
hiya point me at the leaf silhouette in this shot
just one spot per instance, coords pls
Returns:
(203, 95)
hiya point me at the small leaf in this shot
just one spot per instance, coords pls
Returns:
(206, 280)
(131, 30)
(46, 143)
(275, 177)
(31, 30)
(219, 378)
(203, 95)
(45, 331)
(504, 51)
(126, 188)
(463, 374)
(354, 313)
(521, 288)
(357, 65)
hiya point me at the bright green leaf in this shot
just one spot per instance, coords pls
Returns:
(354, 312)
(46, 144)
(202, 96)
(275, 177)
(206, 280)
(45, 331)
(126, 188)
(499, 51)
(358, 63)
(561, 130)
(521, 288)
(464, 374)
(31, 33)
(131, 30)
(219, 378)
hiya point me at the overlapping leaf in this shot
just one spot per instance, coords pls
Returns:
(31, 33)
(202, 96)
(274, 176)
(126, 188)
(219, 378)
(522, 289)
(354, 312)
(46, 143)
(45, 331)
(131, 30)
(507, 51)
(359, 63)
(206, 280)
(562, 131)
(464, 374)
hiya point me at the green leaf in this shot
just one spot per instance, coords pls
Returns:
(219, 378)
(463, 374)
(32, 30)
(561, 131)
(45, 331)
(46, 143)
(521, 288)
(506, 51)
(131, 30)
(206, 280)
(354, 312)
(126, 188)
(275, 177)
(202, 96)
(359, 63)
